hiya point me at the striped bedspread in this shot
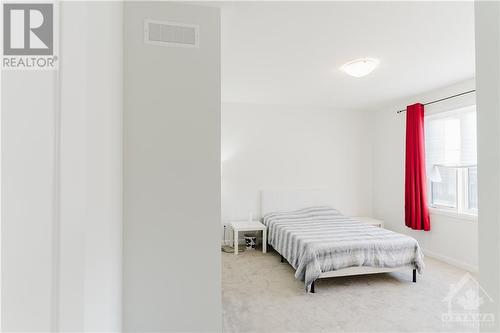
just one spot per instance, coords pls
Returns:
(320, 239)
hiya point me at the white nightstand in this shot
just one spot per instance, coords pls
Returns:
(249, 226)
(370, 221)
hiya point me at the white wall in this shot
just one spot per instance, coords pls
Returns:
(61, 254)
(91, 166)
(388, 182)
(290, 147)
(27, 185)
(487, 18)
(171, 174)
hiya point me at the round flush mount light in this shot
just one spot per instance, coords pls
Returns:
(360, 67)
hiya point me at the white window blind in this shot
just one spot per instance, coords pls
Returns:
(451, 160)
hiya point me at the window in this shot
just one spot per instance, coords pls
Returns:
(451, 160)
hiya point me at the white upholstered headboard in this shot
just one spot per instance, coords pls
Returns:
(287, 200)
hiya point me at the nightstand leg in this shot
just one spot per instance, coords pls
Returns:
(235, 242)
(264, 241)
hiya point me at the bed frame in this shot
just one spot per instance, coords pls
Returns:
(287, 200)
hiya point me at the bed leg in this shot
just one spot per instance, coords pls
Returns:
(282, 259)
(312, 288)
(414, 276)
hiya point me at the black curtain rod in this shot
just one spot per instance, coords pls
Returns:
(444, 99)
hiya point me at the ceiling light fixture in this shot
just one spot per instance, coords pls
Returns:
(360, 67)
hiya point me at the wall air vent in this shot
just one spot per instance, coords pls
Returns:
(164, 33)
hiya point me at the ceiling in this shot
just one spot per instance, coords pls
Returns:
(290, 52)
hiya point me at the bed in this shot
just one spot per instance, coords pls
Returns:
(319, 242)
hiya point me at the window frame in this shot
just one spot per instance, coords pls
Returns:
(444, 207)
(433, 112)
(462, 195)
(466, 209)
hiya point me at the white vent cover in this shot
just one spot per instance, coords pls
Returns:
(174, 34)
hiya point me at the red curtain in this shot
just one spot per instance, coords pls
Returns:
(416, 209)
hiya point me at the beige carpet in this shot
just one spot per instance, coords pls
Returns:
(260, 294)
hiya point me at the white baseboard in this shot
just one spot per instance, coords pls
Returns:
(451, 261)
